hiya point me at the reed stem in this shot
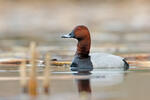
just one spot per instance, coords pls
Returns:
(32, 86)
(46, 74)
(23, 76)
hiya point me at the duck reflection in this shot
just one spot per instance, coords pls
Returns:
(84, 87)
(107, 78)
(95, 82)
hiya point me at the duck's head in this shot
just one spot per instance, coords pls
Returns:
(82, 34)
(79, 32)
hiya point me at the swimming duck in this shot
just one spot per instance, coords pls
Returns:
(83, 61)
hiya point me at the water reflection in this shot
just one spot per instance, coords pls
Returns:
(96, 82)
(96, 85)
(107, 78)
(84, 87)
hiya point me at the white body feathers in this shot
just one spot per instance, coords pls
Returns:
(103, 60)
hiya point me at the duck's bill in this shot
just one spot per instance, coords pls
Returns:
(70, 35)
(66, 36)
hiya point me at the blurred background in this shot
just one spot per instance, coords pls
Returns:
(115, 25)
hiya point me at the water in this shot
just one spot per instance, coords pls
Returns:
(105, 85)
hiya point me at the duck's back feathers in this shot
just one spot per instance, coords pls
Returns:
(104, 60)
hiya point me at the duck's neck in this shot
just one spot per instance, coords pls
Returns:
(83, 47)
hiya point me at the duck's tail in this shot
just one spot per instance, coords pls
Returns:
(126, 65)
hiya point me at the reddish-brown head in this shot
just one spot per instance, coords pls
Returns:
(82, 34)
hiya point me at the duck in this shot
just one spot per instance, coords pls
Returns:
(85, 61)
